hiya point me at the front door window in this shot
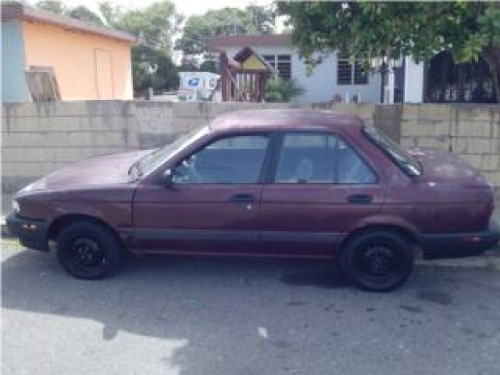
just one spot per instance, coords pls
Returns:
(231, 160)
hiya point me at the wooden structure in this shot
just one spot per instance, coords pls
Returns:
(244, 78)
(42, 83)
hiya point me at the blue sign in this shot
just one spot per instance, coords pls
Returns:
(193, 82)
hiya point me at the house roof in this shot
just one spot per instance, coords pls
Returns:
(17, 11)
(220, 43)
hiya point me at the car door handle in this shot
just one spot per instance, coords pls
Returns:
(360, 199)
(242, 198)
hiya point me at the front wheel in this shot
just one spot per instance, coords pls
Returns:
(88, 250)
(377, 260)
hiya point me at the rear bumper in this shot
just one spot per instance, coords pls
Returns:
(453, 245)
(32, 233)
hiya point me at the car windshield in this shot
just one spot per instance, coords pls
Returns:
(153, 160)
(403, 160)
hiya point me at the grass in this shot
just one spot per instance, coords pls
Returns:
(10, 244)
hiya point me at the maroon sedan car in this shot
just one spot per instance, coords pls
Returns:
(279, 183)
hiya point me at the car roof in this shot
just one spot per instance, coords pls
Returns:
(280, 119)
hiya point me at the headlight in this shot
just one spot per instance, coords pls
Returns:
(15, 206)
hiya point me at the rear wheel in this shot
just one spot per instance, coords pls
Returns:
(377, 260)
(88, 250)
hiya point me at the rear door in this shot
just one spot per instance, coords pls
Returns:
(320, 187)
(212, 207)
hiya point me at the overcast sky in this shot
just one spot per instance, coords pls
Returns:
(186, 7)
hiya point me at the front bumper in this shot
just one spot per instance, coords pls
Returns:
(32, 233)
(454, 245)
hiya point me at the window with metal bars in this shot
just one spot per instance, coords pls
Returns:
(351, 72)
(282, 63)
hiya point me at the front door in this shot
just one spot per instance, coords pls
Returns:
(320, 188)
(212, 205)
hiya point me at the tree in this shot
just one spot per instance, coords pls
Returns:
(154, 25)
(262, 19)
(110, 12)
(54, 6)
(389, 30)
(83, 13)
(199, 30)
(209, 66)
(152, 67)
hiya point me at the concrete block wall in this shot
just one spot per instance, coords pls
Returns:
(385, 117)
(162, 122)
(470, 131)
(39, 138)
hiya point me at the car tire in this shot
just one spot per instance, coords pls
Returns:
(377, 260)
(88, 250)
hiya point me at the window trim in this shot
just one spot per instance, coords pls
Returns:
(278, 146)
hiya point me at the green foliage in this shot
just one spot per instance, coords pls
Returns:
(54, 6)
(110, 12)
(154, 25)
(209, 66)
(279, 90)
(395, 29)
(82, 13)
(152, 67)
(261, 18)
(489, 24)
(199, 30)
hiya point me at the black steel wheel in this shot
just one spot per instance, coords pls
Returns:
(88, 250)
(377, 260)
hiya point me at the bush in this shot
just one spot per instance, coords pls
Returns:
(279, 90)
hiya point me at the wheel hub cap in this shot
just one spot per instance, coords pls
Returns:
(378, 261)
(87, 252)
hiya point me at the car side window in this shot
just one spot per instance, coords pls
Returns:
(308, 158)
(351, 169)
(230, 160)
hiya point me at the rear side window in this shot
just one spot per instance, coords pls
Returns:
(320, 159)
(402, 159)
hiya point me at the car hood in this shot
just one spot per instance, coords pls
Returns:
(103, 170)
(444, 167)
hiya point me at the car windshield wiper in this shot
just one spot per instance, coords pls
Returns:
(137, 164)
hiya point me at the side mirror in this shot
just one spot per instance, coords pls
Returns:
(168, 178)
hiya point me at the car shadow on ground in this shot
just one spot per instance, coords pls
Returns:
(220, 308)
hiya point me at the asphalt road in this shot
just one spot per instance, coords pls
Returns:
(201, 317)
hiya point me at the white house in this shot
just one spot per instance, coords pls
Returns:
(334, 78)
